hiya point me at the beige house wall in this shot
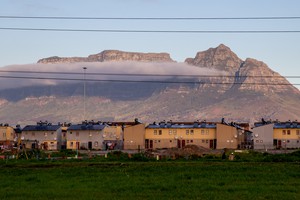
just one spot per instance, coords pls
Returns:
(134, 137)
(227, 136)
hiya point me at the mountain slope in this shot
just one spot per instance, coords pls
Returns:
(239, 91)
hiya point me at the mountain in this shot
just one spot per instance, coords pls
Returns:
(238, 90)
(112, 56)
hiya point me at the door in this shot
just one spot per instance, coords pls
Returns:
(211, 144)
(147, 144)
(90, 145)
(279, 144)
(179, 144)
(183, 143)
(151, 144)
(77, 145)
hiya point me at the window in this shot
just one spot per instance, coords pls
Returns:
(45, 134)
(159, 132)
(202, 132)
(257, 141)
(187, 132)
(174, 132)
(192, 132)
(170, 132)
(4, 135)
(155, 132)
(171, 141)
(203, 141)
(288, 141)
(52, 133)
(297, 132)
(96, 144)
(283, 132)
(158, 140)
(192, 141)
(207, 132)
(33, 133)
(71, 144)
(187, 141)
(261, 141)
(289, 132)
(77, 134)
(206, 141)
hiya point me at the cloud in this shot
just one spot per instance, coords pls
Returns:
(55, 74)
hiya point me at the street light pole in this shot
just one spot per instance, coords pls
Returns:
(84, 74)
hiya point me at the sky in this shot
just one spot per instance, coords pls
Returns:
(280, 51)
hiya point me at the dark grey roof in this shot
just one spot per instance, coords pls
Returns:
(41, 128)
(169, 125)
(280, 124)
(87, 127)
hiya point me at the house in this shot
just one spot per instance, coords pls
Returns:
(134, 135)
(7, 136)
(229, 135)
(113, 136)
(286, 135)
(87, 135)
(263, 135)
(179, 134)
(43, 135)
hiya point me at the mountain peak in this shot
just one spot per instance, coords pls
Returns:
(220, 58)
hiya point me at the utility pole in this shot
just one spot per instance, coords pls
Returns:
(84, 85)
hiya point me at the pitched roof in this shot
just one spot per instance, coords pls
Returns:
(182, 125)
(43, 127)
(87, 127)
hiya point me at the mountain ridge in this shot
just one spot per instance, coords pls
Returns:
(248, 90)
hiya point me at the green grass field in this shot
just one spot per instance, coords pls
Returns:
(96, 179)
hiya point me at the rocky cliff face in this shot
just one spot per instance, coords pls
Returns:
(248, 75)
(220, 58)
(112, 56)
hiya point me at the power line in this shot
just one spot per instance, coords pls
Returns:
(147, 31)
(151, 18)
(146, 81)
(145, 75)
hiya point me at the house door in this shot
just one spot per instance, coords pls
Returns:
(211, 144)
(183, 143)
(77, 145)
(279, 144)
(147, 144)
(90, 145)
(179, 144)
(151, 144)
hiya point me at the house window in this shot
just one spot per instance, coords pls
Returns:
(187, 141)
(192, 132)
(71, 132)
(174, 132)
(155, 141)
(170, 132)
(257, 141)
(187, 132)
(297, 132)
(77, 134)
(207, 132)
(96, 144)
(71, 144)
(52, 133)
(202, 132)
(206, 141)
(33, 133)
(171, 141)
(159, 132)
(283, 132)
(155, 132)
(45, 134)
(158, 140)
(192, 141)
(261, 141)
(288, 141)
(289, 132)
(4, 135)
(203, 141)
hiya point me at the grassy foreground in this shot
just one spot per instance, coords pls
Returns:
(86, 179)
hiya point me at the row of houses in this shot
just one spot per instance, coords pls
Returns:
(139, 136)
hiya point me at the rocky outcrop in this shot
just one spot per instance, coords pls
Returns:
(111, 56)
(220, 58)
